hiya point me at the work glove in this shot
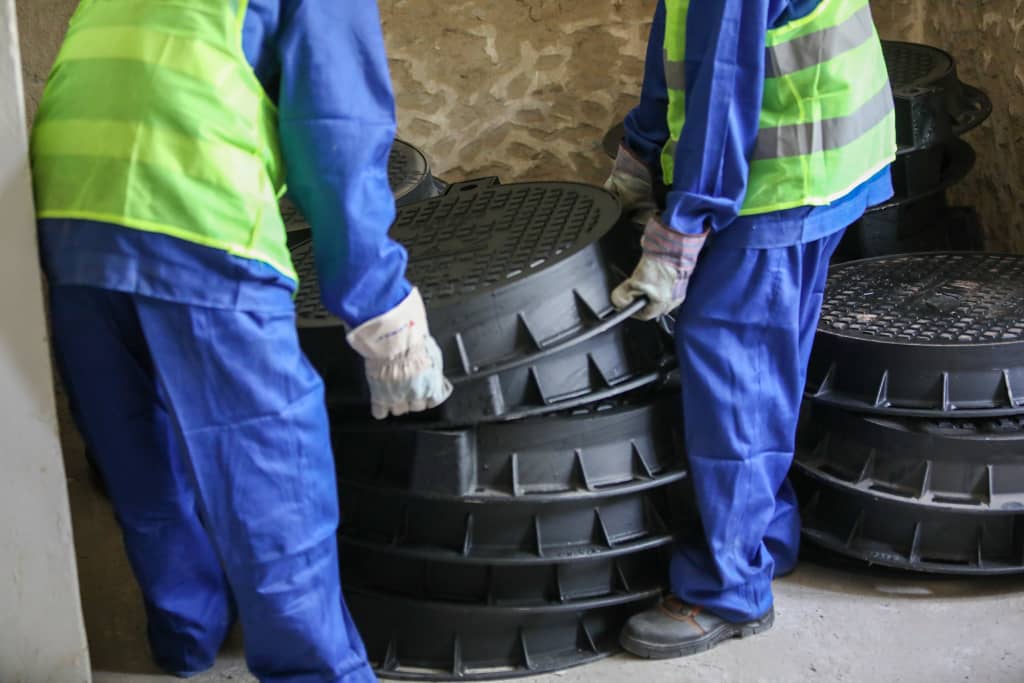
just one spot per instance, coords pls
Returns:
(404, 367)
(663, 273)
(632, 183)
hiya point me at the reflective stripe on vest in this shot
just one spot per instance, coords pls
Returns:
(827, 122)
(675, 73)
(153, 119)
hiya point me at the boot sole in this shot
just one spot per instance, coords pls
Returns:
(646, 650)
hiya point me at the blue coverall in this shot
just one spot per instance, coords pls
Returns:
(744, 333)
(185, 375)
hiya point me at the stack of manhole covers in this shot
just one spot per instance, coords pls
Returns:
(514, 529)
(933, 109)
(911, 453)
(408, 174)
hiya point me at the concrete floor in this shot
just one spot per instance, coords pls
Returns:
(835, 622)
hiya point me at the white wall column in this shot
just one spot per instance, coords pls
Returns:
(42, 635)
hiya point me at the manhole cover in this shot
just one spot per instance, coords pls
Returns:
(958, 464)
(907, 535)
(916, 66)
(483, 236)
(409, 174)
(419, 576)
(608, 444)
(444, 641)
(932, 105)
(517, 281)
(552, 526)
(921, 334)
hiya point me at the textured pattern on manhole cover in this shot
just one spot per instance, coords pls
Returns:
(912, 65)
(935, 299)
(406, 168)
(477, 238)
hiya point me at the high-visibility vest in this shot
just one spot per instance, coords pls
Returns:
(827, 120)
(152, 119)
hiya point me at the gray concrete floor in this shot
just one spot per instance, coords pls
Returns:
(834, 623)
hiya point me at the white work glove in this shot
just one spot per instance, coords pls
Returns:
(663, 273)
(632, 183)
(404, 367)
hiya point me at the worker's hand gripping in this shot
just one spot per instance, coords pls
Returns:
(403, 362)
(664, 271)
(632, 183)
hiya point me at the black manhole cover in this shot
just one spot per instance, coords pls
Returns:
(957, 464)
(954, 162)
(932, 105)
(927, 171)
(483, 236)
(923, 334)
(553, 527)
(401, 572)
(908, 535)
(916, 66)
(436, 641)
(603, 445)
(517, 281)
(409, 174)
(923, 222)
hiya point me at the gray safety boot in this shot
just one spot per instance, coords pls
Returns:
(676, 629)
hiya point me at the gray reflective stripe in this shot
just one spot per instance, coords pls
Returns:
(819, 136)
(820, 46)
(675, 74)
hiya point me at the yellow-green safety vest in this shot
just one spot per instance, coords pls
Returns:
(152, 119)
(827, 120)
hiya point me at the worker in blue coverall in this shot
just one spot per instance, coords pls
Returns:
(156, 155)
(771, 124)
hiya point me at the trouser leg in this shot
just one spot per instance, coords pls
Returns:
(251, 413)
(743, 338)
(106, 367)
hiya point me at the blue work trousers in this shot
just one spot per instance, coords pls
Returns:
(744, 338)
(210, 431)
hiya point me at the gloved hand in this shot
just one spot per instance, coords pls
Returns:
(404, 367)
(632, 183)
(664, 271)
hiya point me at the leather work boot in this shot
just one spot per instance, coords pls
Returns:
(676, 629)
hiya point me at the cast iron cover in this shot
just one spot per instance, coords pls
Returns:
(553, 527)
(953, 464)
(923, 222)
(906, 535)
(517, 281)
(923, 335)
(589, 449)
(483, 236)
(392, 570)
(409, 174)
(932, 104)
(424, 640)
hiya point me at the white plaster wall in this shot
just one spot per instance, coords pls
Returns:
(42, 637)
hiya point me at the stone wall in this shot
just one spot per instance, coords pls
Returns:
(987, 39)
(525, 89)
(42, 24)
(519, 89)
